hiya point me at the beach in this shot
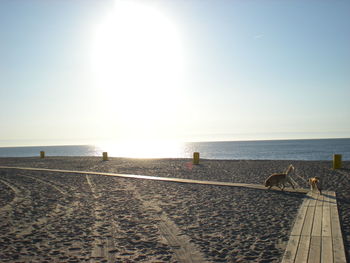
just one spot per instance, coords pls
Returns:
(57, 217)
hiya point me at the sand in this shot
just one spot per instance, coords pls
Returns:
(54, 217)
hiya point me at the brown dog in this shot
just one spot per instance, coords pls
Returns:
(315, 184)
(280, 179)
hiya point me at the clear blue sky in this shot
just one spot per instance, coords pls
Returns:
(79, 71)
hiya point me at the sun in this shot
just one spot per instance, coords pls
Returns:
(138, 65)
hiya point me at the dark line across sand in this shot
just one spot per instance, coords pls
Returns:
(164, 179)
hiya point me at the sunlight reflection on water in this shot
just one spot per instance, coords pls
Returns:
(234, 150)
(137, 149)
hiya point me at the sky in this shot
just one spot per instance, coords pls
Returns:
(85, 71)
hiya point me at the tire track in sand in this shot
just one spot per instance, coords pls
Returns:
(100, 245)
(44, 219)
(18, 197)
(185, 251)
(42, 222)
(47, 182)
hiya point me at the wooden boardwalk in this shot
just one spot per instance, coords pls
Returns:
(165, 179)
(316, 235)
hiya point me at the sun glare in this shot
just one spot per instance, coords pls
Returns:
(142, 149)
(137, 59)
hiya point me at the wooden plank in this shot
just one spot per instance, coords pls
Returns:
(306, 202)
(313, 201)
(158, 178)
(308, 223)
(326, 222)
(293, 243)
(309, 194)
(326, 250)
(320, 199)
(315, 250)
(337, 238)
(335, 223)
(303, 249)
(332, 198)
(327, 198)
(299, 221)
(317, 225)
(338, 250)
(291, 250)
(313, 196)
(316, 235)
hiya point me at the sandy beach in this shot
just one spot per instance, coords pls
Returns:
(55, 217)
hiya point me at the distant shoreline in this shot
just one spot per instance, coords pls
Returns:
(316, 149)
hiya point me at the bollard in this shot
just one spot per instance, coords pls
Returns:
(42, 154)
(196, 158)
(336, 161)
(105, 156)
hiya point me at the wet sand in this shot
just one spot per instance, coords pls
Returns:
(53, 217)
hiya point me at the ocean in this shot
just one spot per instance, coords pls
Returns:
(317, 149)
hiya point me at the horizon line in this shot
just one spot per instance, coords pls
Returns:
(175, 141)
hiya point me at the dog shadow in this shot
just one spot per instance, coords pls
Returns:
(331, 198)
(286, 193)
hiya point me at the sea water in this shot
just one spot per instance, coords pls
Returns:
(318, 149)
(322, 149)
